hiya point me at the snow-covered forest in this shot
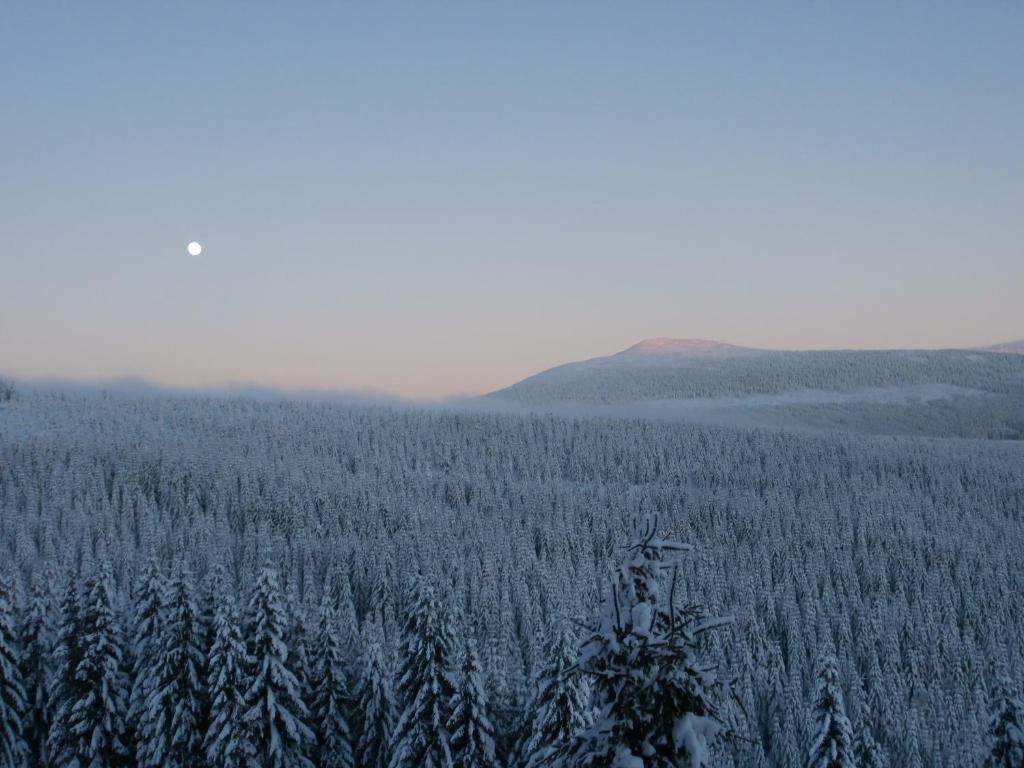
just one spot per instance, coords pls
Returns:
(192, 580)
(630, 376)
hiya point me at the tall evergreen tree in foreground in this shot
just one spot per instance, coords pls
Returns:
(170, 732)
(471, 730)
(95, 726)
(227, 743)
(561, 701)
(275, 711)
(1006, 731)
(13, 749)
(657, 699)
(831, 734)
(425, 685)
(36, 668)
(377, 706)
(333, 738)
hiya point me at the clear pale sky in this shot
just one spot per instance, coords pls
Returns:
(437, 198)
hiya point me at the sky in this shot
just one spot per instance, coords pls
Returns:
(442, 198)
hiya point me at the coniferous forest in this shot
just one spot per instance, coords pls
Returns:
(192, 580)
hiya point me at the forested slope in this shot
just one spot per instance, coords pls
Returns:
(899, 556)
(638, 377)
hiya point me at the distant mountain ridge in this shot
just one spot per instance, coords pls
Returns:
(671, 369)
(663, 345)
(667, 346)
(1010, 348)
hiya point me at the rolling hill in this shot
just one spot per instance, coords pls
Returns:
(1009, 348)
(669, 369)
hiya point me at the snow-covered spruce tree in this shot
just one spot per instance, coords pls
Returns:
(344, 606)
(472, 734)
(1006, 730)
(145, 642)
(425, 684)
(64, 688)
(867, 753)
(213, 589)
(330, 692)
(658, 702)
(13, 749)
(298, 647)
(210, 593)
(506, 683)
(377, 706)
(831, 744)
(169, 733)
(275, 712)
(770, 709)
(96, 720)
(227, 743)
(561, 701)
(36, 669)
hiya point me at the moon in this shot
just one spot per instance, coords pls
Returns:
(194, 248)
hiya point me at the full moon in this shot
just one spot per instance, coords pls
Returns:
(194, 248)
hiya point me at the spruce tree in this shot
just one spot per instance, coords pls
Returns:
(13, 749)
(472, 734)
(145, 643)
(656, 698)
(298, 648)
(1006, 730)
(65, 689)
(561, 701)
(344, 605)
(36, 670)
(170, 729)
(506, 688)
(276, 715)
(377, 707)
(213, 589)
(227, 743)
(770, 712)
(831, 744)
(96, 720)
(425, 685)
(330, 693)
(867, 753)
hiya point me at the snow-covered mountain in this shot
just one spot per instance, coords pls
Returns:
(668, 369)
(666, 346)
(1009, 348)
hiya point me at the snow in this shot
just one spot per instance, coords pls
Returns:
(694, 733)
(893, 553)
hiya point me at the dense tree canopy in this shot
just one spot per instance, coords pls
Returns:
(898, 555)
